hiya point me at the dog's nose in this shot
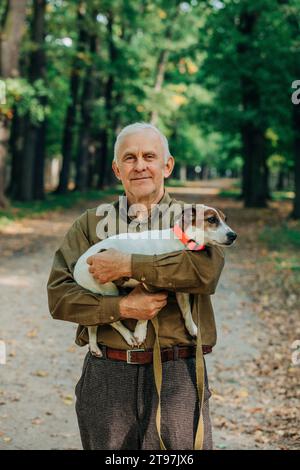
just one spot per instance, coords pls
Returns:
(231, 236)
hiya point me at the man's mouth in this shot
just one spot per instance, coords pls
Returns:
(144, 178)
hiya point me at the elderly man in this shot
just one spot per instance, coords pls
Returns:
(116, 399)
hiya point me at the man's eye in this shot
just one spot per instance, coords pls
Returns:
(211, 220)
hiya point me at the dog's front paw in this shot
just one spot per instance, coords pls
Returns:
(140, 334)
(192, 329)
(130, 339)
(95, 351)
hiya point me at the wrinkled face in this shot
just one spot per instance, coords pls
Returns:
(211, 229)
(140, 164)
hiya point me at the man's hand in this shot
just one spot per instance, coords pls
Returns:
(140, 305)
(109, 265)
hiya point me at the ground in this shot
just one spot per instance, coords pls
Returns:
(251, 375)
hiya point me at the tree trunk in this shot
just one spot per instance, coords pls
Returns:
(103, 158)
(16, 146)
(255, 172)
(88, 93)
(12, 29)
(70, 119)
(296, 119)
(34, 146)
(39, 167)
(280, 180)
(255, 168)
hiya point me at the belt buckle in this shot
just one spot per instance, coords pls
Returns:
(128, 355)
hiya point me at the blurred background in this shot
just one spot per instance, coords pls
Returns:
(221, 79)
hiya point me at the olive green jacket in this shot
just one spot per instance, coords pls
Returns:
(194, 272)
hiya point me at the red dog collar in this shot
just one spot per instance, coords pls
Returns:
(190, 244)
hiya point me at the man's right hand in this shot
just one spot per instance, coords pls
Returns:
(142, 305)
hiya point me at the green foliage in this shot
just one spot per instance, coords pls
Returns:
(179, 60)
(282, 237)
(26, 97)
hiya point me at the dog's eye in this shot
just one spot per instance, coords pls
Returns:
(212, 220)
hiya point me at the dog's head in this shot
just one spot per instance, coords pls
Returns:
(207, 226)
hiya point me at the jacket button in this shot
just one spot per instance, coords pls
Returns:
(112, 318)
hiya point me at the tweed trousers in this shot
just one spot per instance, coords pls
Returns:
(116, 405)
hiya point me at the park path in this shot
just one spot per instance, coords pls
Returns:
(43, 363)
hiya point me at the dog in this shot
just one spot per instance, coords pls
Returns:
(212, 230)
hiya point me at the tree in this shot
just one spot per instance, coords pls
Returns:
(31, 185)
(12, 29)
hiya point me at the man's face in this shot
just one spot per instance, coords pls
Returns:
(140, 164)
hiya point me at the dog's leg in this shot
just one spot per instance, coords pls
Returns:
(127, 335)
(140, 332)
(94, 349)
(185, 307)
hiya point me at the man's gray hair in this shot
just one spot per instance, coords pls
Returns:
(138, 127)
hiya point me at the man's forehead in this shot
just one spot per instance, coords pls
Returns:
(147, 140)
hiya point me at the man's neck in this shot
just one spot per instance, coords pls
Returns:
(147, 201)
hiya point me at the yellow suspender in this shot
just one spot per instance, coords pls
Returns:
(157, 369)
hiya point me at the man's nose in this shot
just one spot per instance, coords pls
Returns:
(140, 164)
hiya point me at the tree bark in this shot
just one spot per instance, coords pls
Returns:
(296, 119)
(12, 29)
(71, 114)
(103, 154)
(255, 172)
(87, 98)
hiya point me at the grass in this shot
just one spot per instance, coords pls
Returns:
(235, 193)
(282, 237)
(52, 202)
(282, 241)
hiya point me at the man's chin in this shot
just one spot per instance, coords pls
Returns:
(142, 187)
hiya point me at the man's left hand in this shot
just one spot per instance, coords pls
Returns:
(109, 265)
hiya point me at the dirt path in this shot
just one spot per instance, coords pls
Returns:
(43, 364)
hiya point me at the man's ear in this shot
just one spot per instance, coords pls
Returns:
(169, 165)
(116, 170)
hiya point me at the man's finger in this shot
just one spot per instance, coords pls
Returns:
(91, 269)
(160, 296)
(90, 260)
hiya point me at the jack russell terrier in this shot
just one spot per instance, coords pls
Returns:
(213, 231)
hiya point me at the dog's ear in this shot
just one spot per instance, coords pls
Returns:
(222, 215)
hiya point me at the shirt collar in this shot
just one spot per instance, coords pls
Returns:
(123, 207)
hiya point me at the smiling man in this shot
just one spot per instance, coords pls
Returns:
(116, 395)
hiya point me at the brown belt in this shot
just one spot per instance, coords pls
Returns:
(143, 356)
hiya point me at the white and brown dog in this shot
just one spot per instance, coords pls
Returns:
(212, 230)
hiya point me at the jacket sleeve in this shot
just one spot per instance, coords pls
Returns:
(69, 301)
(193, 272)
